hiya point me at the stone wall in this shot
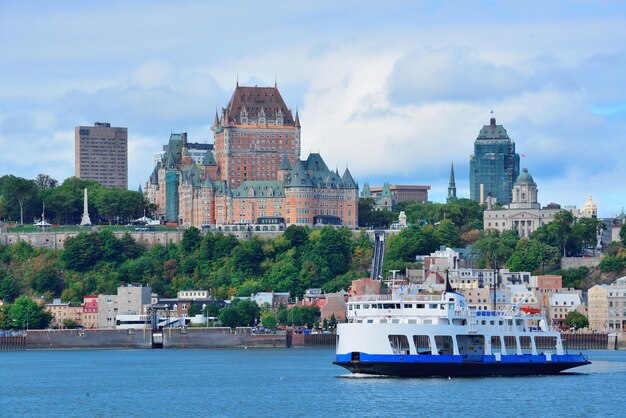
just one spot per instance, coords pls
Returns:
(142, 339)
(56, 240)
(576, 262)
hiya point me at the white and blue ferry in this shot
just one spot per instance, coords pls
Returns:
(438, 335)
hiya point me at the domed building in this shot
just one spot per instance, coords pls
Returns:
(524, 213)
(590, 209)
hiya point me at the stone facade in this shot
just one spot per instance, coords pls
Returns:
(607, 306)
(524, 214)
(254, 175)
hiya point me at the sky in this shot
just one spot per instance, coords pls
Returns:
(395, 91)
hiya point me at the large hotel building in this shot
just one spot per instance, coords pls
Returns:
(101, 153)
(254, 174)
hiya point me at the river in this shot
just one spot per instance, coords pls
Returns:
(284, 382)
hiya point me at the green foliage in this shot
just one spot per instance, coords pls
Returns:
(614, 262)
(70, 323)
(8, 286)
(194, 310)
(576, 320)
(494, 249)
(371, 218)
(25, 313)
(533, 256)
(191, 240)
(211, 310)
(303, 316)
(240, 313)
(268, 320)
(622, 234)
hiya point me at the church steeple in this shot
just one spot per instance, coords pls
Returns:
(451, 186)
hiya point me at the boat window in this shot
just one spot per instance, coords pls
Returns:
(358, 306)
(349, 307)
(422, 344)
(496, 344)
(395, 321)
(442, 306)
(432, 306)
(471, 345)
(420, 306)
(399, 344)
(492, 322)
(408, 305)
(545, 343)
(482, 322)
(397, 306)
(369, 321)
(359, 321)
(428, 321)
(412, 321)
(458, 321)
(383, 321)
(444, 344)
(366, 306)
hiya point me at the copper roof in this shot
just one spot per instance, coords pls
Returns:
(256, 99)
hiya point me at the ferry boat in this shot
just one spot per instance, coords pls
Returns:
(423, 335)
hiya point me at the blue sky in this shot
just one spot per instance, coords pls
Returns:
(396, 91)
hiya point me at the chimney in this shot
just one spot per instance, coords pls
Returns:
(492, 122)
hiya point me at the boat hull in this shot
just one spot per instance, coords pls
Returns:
(456, 366)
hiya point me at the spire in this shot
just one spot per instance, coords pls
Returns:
(297, 119)
(452, 186)
(216, 121)
(348, 181)
(284, 164)
(140, 190)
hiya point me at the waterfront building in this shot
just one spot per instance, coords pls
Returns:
(387, 196)
(101, 154)
(523, 214)
(478, 298)
(253, 177)
(607, 306)
(90, 312)
(63, 311)
(129, 300)
(494, 165)
(561, 304)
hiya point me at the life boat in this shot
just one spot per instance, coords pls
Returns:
(530, 310)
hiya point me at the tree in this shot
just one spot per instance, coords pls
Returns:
(268, 320)
(194, 310)
(212, 310)
(44, 182)
(494, 249)
(19, 190)
(230, 317)
(191, 240)
(447, 233)
(622, 233)
(25, 313)
(8, 286)
(533, 256)
(70, 323)
(577, 320)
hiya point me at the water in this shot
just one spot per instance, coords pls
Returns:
(281, 382)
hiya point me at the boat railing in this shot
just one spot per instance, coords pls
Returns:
(398, 298)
